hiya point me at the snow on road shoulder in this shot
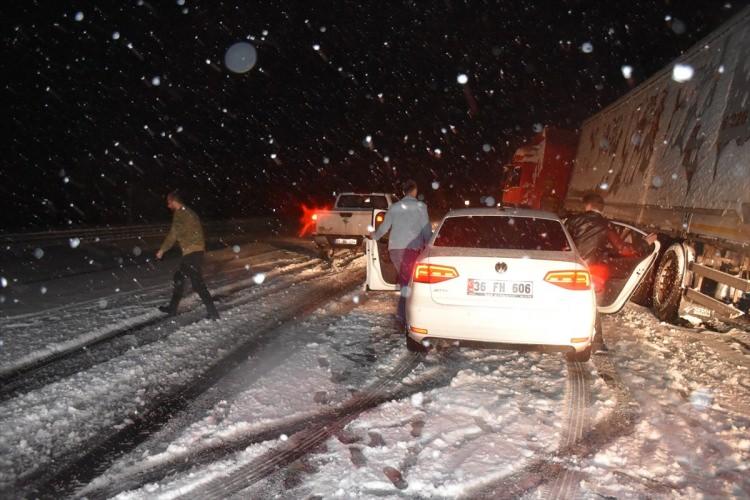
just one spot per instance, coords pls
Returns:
(46, 425)
(693, 398)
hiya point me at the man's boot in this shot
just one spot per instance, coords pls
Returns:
(213, 314)
(168, 310)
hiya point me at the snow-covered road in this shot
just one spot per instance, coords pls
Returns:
(328, 403)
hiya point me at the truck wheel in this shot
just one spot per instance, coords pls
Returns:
(414, 346)
(667, 291)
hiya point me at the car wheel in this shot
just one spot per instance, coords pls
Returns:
(667, 291)
(579, 357)
(414, 346)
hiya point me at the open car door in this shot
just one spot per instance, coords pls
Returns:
(381, 273)
(623, 275)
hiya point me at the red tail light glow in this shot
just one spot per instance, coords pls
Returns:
(308, 219)
(433, 273)
(380, 217)
(570, 280)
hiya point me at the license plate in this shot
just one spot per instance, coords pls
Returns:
(345, 241)
(500, 288)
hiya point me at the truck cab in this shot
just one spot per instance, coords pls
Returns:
(538, 174)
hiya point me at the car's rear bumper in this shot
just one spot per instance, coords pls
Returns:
(562, 328)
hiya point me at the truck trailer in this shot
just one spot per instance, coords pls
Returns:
(673, 156)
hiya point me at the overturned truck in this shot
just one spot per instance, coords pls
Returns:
(673, 156)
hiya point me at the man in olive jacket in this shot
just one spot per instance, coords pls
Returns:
(187, 231)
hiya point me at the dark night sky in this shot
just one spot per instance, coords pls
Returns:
(91, 140)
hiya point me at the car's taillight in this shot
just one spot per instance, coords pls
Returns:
(433, 273)
(314, 216)
(379, 217)
(570, 280)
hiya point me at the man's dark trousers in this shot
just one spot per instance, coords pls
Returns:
(191, 266)
(403, 260)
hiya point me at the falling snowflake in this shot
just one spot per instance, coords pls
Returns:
(156, 81)
(116, 35)
(79, 16)
(682, 72)
(74, 242)
(435, 185)
(240, 57)
(38, 253)
(627, 71)
(678, 26)
(259, 278)
(587, 48)
(462, 79)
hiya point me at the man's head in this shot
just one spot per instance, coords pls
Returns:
(593, 202)
(409, 188)
(174, 200)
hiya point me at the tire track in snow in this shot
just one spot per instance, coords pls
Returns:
(126, 481)
(575, 440)
(577, 401)
(84, 465)
(334, 421)
(223, 283)
(59, 365)
(384, 389)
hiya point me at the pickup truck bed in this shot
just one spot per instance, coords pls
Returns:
(349, 221)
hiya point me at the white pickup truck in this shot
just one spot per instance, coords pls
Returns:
(348, 222)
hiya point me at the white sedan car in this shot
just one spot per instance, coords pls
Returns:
(511, 277)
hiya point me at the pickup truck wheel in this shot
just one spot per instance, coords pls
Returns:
(667, 291)
(326, 254)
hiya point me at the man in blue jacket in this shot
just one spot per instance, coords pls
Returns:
(409, 225)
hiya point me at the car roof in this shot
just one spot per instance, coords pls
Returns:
(502, 211)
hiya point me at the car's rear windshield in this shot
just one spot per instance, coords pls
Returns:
(502, 232)
(362, 201)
